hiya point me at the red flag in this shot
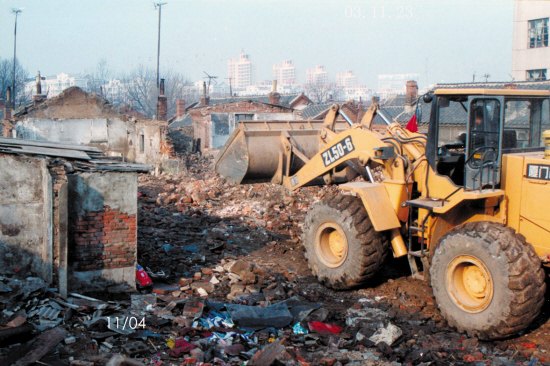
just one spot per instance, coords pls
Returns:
(412, 125)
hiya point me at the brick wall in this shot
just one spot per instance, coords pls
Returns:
(104, 240)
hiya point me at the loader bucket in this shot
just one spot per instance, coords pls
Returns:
(255, 149)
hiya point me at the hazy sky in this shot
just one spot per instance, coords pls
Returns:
(447, 40)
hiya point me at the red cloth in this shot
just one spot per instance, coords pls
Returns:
(412, 125)
(181, 346)
(324, 328)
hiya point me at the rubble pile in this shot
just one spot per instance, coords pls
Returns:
(231, 287)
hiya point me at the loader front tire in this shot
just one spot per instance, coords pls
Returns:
(487, 281)
(341, 246)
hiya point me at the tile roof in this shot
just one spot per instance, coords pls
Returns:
(182, 121)
(313, 110)
(285, 100)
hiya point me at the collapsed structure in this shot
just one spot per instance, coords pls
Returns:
(68, 214)
(75, 117)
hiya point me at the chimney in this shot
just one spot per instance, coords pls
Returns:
(180, 107)
(162, 105)
(38, 85)
(274, 97)
(411, 92)
(38, 97)
(204, 99)
(161, 87)
(375, 99)
(9, 104)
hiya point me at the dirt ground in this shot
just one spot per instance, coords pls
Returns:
(274, 244)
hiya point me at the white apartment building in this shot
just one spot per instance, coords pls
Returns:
(317, 75)
(359, 92)
(395, 84)
(285, 73)
(54, 85)
(347, 79)
(530, 51)
(242, 73)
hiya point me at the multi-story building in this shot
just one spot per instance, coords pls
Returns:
(54, 85)
(347, 79)
(318, 75)
(242, 72)
(285, 74)
(395, 84)
(530, 51)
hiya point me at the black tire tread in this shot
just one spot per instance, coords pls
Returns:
(374, 245)
(526, 278)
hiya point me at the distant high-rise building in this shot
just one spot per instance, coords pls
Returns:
(285, 74)
(242, 72)
(530, 46)
(317, 75)
(347, 79)
(395, 84)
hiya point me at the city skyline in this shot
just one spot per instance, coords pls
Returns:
(369, 37)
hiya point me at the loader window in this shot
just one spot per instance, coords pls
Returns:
(453, 122)
(524, 121)
(483, 143)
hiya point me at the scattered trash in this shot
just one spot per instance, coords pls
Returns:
(388, 335)
(324, 328)
(142, 278)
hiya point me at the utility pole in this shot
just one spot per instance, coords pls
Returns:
(486, 76)
(16, 12)
(159, 5)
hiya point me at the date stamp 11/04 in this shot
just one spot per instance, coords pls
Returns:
(379, 12)
(126, 323)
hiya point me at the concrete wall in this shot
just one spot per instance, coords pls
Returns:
(26, 216)
(102, 231)
(524, 58)
(113, 136)
(155, 148)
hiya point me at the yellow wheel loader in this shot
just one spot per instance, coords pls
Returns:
(470, 210)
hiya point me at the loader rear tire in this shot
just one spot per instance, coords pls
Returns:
(342, 248)
(487, 281)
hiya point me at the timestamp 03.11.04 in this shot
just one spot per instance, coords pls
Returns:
(379, 12)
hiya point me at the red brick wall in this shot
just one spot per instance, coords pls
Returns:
(104, 240)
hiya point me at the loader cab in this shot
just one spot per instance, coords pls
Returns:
(470, 129)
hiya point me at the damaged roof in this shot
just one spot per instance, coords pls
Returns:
(284, 101)
(82, 157)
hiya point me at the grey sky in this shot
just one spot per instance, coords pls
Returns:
(451, 39)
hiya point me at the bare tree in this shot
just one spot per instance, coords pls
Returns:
(139, 88)
(99, 76)
(323, 92)
(6, 78)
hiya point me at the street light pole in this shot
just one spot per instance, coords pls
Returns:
(16, 12)
(159, 5)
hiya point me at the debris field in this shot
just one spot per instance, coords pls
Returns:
(230, 286)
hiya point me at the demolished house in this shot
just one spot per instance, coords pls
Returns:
(76, 117)
(68, 215)
(214, 119)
